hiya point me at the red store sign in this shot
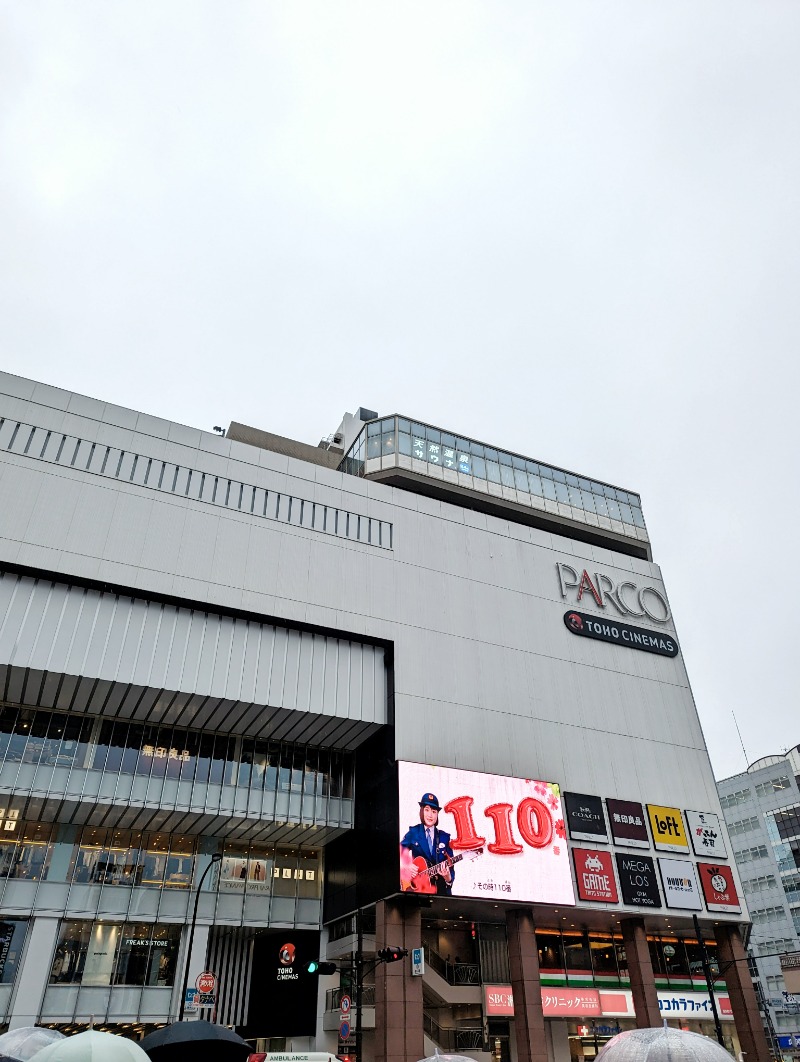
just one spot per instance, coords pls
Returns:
(556, 1002)
(594, 873)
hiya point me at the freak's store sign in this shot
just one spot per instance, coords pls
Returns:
(658, 642)
(637, 880)
(719, 888)
(620, 598)
(585, 817)
(704, 829)
(463, 833)
(594, 873)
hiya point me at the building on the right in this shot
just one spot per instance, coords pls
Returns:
(762, 811)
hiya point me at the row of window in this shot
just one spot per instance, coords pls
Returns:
(577, 955)
(749, 855)
(190, 483)
(743, 826)
(118, 746)
(760, 884)
(761, 915)
(774, 785)
(104, 856)
(776, 946)
(382, 438)
(732, 799)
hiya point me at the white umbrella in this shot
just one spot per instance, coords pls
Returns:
(440, 1056)
(22, 1044)
(92, 1046)
(662, 1045)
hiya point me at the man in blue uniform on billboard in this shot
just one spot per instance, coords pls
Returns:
(425, 852)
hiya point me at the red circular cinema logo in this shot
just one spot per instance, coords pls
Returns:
(575, 621)
(286, 954)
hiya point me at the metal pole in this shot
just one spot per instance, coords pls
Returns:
(709, 980)
(359, 980)
(214, 859)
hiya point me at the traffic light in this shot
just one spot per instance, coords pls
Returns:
(318, 967)
(391, 954)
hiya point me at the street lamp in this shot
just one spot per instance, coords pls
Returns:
(216, 858)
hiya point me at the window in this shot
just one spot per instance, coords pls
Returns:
(264, 869)
(787, 821)
(732, 799)
(25, 847)
(106, 953)
(774, 785)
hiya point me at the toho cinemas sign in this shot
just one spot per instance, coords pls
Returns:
(624, 598)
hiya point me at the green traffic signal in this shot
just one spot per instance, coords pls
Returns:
(317, 967)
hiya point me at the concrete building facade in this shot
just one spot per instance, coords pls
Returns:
(263, 657)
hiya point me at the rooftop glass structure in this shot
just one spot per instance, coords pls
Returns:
(391, 448)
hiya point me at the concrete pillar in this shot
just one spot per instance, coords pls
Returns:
(398, 1033)
(34, 974)
(197, 965)
(523, 960)
(559, 1034)
(744, 1002)
(640, 970)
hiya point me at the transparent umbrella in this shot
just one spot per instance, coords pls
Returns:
(92, 1046)
(22, 1044)
(662, 1045)
(440, 1056)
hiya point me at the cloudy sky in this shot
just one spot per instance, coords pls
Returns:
(570, 229)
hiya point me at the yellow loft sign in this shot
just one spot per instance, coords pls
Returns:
(666, 826)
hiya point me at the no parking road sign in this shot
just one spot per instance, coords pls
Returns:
(344, 1030)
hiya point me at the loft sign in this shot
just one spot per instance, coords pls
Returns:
(626, 598)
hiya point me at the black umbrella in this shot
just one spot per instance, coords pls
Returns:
(195, 1041)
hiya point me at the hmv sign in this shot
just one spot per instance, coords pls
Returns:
(624, 598)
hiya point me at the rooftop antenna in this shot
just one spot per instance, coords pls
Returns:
(738, 731)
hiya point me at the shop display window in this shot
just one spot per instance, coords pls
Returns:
(106, 953)
(129, 857)
(264, 869)
(25, 847)
(680, 961)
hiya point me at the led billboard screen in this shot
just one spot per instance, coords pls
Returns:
(482, 835)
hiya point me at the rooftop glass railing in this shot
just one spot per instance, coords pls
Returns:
(397, 442)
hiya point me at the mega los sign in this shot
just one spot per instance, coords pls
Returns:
(625, 598)
(493, 836)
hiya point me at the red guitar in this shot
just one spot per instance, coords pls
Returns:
(423, 882)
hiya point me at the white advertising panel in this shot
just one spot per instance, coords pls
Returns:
(482, 835)
(706, 834)
(680, 884)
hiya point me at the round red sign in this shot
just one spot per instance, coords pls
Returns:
(206, 983)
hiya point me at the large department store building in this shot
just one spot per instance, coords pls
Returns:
(258, 662)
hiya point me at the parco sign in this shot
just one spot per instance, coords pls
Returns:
(626, 598)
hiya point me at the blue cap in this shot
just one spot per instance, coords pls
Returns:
(429, 800)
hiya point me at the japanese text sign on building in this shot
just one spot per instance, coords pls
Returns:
(719, 888)
(585, 817)
(628, 825)
(680, 884)
(707, 839)
(666, 826)
(594, 873)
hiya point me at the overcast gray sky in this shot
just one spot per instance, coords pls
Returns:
(570, 229)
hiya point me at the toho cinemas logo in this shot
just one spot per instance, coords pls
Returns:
(626, 597)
